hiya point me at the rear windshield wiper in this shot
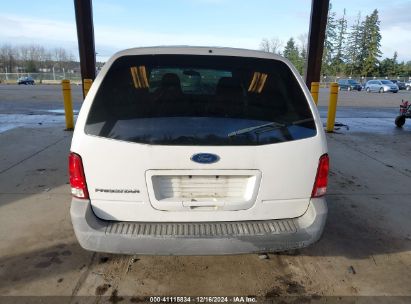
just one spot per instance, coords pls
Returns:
(268, 127)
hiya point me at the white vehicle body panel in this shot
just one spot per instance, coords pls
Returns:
(281, 174)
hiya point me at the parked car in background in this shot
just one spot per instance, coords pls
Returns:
(381, 86)
(400, 84)
(349, 85)
(194, 150)
(25, 80)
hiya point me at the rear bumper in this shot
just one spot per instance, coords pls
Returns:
(210, 238)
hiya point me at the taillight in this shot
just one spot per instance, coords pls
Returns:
(321, 180)
(77, 178)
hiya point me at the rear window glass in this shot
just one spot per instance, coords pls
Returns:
(200, 100)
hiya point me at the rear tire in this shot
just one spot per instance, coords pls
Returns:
(400, 121)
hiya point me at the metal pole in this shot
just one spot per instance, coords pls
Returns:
(318, 24)
(85, 35)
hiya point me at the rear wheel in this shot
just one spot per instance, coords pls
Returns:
(381, 90)
(400, 121)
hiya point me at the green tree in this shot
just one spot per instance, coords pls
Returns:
(341, 32)
(386, 67)
(303, 40)
(402, 69)
(352, 51)
(292, 53)
(329, 41)
(395, 63)
(407, 69)
(348, 51)
(303, 59)
(390, 66)
(371, 44)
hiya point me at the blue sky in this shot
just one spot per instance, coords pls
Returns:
(125, 23)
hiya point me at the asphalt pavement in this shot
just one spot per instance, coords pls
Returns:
(37, 99)
(41, 99)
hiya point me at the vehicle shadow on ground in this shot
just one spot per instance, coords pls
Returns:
(350, 234)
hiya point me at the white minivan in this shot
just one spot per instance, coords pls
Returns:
(198, 151)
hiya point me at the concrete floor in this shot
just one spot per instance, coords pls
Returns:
(365, 249)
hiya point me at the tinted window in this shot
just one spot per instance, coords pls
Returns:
(200, 100)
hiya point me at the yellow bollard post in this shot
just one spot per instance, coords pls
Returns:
(315, 88)
(86, 86)
(332, 106)
(68, 104)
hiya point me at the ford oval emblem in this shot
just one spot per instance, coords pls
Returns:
(205, 158)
